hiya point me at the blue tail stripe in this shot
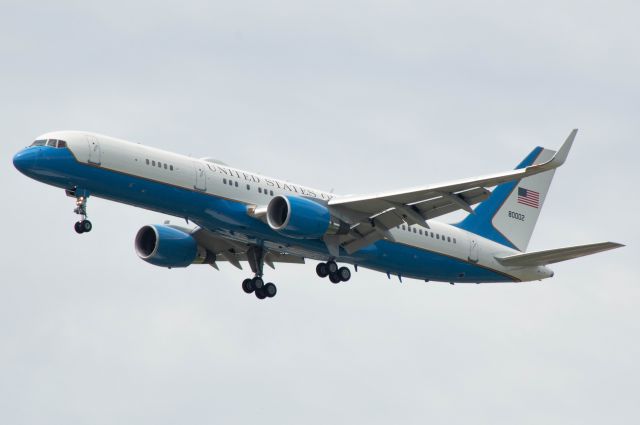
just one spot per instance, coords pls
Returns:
(480, 223)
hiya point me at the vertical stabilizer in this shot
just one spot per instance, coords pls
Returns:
(510, 214)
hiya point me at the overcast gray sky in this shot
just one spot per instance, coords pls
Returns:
(356, 96)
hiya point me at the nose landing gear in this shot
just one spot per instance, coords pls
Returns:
(83, 225)
(336, 275)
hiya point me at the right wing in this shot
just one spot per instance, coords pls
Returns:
(542, 258)
(371, 216)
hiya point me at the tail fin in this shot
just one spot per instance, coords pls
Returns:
(510, 214)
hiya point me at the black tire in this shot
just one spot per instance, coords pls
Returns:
(333, 267)
(344, 273)
(258, 283)
(247, 286)
(322, 270)
(334, 278)
(78, 227)
(261, 294)
(86, 226)
(270, 289)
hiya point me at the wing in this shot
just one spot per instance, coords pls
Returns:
(371, 216)
(234, 252)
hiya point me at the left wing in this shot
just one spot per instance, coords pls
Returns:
(234, 252)
(371, 216)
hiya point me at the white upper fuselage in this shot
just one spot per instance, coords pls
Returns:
(254, 190)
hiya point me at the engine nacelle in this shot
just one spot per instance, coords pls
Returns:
(302, 218)
(166, 246)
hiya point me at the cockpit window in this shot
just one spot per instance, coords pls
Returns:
(54, 143)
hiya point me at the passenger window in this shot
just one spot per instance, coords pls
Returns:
(415, 230)
(52, 143)
(431, 234)
(165, 166)
(437, 236)
(259, 190)
(448, 239)
(171, 167)
(454, 240)
(403, 227)
(236, 184)
(153, 163)
(420, 231)
(224, 181)
(271, 192)
(248, 187)
(147, 161)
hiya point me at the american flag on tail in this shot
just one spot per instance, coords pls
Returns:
(528, 197)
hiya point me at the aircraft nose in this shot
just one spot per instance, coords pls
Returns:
(26, 159)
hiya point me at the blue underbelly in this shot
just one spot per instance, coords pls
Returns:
(223, 215)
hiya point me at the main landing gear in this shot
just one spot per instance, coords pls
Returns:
(83, 225)
(261, 289)
(255, 255)
(336, 275)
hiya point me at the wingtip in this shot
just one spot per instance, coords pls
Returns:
(561, 156)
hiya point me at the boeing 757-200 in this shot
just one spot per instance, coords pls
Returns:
(243, 216)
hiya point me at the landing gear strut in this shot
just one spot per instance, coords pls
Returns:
(336, 275)
(255, 255)
(83, 225)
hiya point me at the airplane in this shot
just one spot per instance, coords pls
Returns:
(241, 216)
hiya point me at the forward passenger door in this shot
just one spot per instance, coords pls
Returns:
(95, 153)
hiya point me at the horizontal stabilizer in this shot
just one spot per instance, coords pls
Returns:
(542, 258)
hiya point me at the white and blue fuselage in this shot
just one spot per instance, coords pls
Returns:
(222, 198)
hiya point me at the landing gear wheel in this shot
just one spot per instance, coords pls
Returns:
(334, 278)
(270, 290)
(258, 283)
(247, 286)
(344, 274)
(333, 267)
(83, 225)
(322, 270)
(86, 225)
(261, 294)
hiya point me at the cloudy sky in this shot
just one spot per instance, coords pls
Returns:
(356, 96)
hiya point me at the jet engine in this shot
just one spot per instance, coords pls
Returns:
(166, 246)
(302, 218)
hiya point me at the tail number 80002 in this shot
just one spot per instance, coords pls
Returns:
(516, 215)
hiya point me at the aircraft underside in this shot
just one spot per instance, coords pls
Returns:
(243, 217)
(228, 219)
